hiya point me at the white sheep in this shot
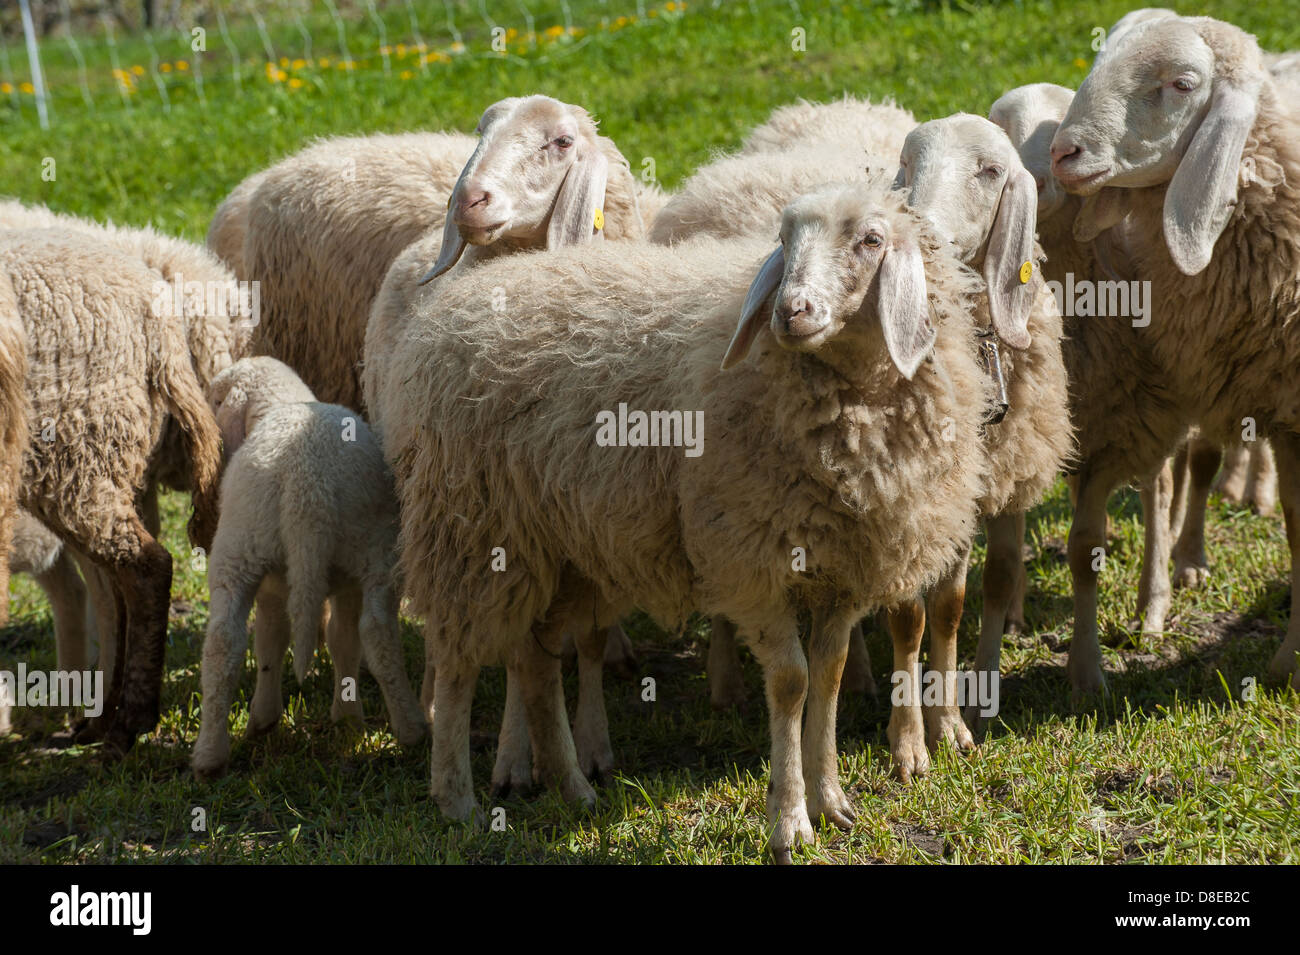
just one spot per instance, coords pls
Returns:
(1204, 171)
(307, 513)
(825, 483)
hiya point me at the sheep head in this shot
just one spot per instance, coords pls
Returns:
(536, 179)
(1029, 115)
(245, 391)
(1170, 102)
(847, 255)
(963, 174)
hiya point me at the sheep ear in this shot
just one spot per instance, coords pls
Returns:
(577, 209)
(751, 313)
(1098, 212)
(1201, 196)
(1011, 246)
(453, 244)
(902, 307)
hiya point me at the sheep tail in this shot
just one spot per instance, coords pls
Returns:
(180, 389)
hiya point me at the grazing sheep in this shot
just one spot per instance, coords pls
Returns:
(106, 378)
(357, 203)
(1207, 171)
(963, 174)
(307, 513)
(825, 483)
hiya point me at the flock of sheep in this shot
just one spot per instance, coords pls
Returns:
(895, 372)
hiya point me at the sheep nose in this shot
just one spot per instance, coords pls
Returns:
(479, 197)
(1063, 153)
(798, 316)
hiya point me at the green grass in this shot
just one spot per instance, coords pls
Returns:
(1172, 766)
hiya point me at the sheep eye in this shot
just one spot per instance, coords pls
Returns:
(872, 240)
(992, 172)
(1184, 85)
(564, 142)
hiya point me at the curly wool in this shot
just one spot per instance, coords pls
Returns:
(491, 427)
(14, 414)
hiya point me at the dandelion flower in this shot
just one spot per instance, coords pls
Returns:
(295, 83)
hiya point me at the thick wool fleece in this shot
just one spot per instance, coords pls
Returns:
(324, 226)
(14, 414)
(858, 125)
(492, 425)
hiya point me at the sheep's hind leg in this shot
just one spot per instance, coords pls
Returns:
(1261, 486)
(1087, 547)
(1191, 569)
(382, 642)
(1287, 659)
(67, 595)
(906, 724)
(451, 782)
(343, 638)
(555, 758)
(857, 668)
(726, 678)
(590, 722)
(270, 644)
(1003, 568)
(785, 678)
(223, 659)
(513, 770)
(828, 649)
(619, 655)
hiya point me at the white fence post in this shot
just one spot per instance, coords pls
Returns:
(34, 59)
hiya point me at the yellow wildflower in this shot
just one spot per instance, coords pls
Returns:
(27, 87)
(182, 65)
(555, 31)
(165, 67)
(6, 88)
(407, 74)
(138, 70)
(295, 83)
(299, 64)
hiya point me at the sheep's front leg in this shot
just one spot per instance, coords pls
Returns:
(590, 722)
(944, 605)
(67, 595)
(1191, 569)
(1236, 471)
(1087, 548)
(555, 758)
(906, 724)
(785, 678)
(270, 643)
(1287, 659)
(828, 648)
(1154, 592)
(1261, 485)
(726, 678)
(513, 770)
(1015, 622)
(857, 668)
(1003, 567)
(619, 655)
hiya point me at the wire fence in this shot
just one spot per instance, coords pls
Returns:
(236, 44)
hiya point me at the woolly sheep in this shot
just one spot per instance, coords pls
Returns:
(307, 513)
(104, 382)
(492, 423)
(1207, 173)
(963, 174)
(357, 203)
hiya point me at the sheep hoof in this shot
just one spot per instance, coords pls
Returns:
(910, 759)
(1191, 574)
(976, 722)
(119, 740)
(206, 773)
(1085, 681)
(576, 791)
(945, 725)
(792, 828)
(597, 764)
(833, 806)
(1284, 665)
(726, 695)
(256, 731)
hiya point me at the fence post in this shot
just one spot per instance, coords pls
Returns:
(34, 59)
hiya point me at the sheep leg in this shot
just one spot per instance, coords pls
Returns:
(513, 770)
(619, 655)
(382, 642)
(590, 722)
(726, 678)
(344, 641)
(857, 668)
(143, 580)
(1003, 567)
(68, 603)
(1231, 483)
(450, 779)
(555, 758)
(1015, 621)
(1154, 592)
(1181, 475)
(785, 679)
(102, 614)
(1191, 569)
(308, 590)
(426, 690)
(1287, 659)
(223, 659)
(1261, 486)
(906, 723)
(828, 649)
(1086, 549)
(270, 643)
(944, 603)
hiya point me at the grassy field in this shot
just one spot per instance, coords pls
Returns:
(1173, 766)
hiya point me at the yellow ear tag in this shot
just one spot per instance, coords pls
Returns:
(600, 220)
(1026, 271)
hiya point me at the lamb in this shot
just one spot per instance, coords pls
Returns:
(1208, 174)
(104, 383)
(362, 201)
(827, 446)
(963, 174)
(307, 513)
